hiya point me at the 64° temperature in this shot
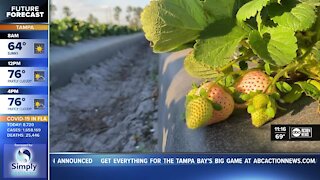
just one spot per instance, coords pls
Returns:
(18, 45)
(16, 101)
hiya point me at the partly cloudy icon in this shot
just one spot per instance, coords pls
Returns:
(39, 76)
(39, 104)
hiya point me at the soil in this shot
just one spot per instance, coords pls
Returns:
(111, 107)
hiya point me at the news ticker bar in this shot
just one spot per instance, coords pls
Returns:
(295, 132)
(185, 166)
(24, 89)
(105, 160)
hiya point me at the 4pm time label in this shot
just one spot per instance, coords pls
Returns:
(24, 104)
(23, 76)
(26, 48)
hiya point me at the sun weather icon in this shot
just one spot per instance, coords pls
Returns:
(23, 155)
(38, 48)
(39, 104)
(39, 76)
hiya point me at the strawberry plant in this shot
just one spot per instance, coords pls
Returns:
(264, 53)
(71, 30)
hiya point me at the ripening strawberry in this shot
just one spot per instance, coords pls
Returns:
(262, 108)
(260, 101)
(253, 81)
(198, 112)
(219, 96)
(259, 117)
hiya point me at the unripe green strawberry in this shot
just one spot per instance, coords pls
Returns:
(198, 112)
(253, 81)
(219, 96)
(259, 117)
(260, 101)
(262, 109)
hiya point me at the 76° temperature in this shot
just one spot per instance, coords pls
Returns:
(16, 101)
(16, 73)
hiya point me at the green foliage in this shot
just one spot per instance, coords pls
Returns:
(216, 28)
(279, 48)
(294, 15)
(283, 86)
(293, 95)
(198, 69)
(251, 9)
(169, 24)
(311, 89)
(70, 30)
(217, 50)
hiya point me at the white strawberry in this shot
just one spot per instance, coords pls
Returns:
(253, 81)
(218, 96)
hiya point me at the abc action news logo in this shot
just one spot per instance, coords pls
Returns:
(23, 165)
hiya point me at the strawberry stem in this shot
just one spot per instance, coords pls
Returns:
(290, 67)
(247, 56)
(293, 66)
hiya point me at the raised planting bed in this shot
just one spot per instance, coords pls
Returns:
(75, 58)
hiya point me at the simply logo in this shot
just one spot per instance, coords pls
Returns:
(25, 161)
(23, 165)
(23, 155)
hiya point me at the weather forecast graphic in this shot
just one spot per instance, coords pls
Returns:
(24, 89)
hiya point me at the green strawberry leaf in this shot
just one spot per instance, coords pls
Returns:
(271, 113)
(217, 50)
(194, 86)
(275, 96)
(216, 106)
(198, 69)
(173, 25)
(277, 46)
(293, 95)
(237, 97)
(260, 46)
(250, 9)
(294, 15)
(316, 51)
(310, 90)
(169, 24)
(311, 2)
(267, 68)
(229, 81)
(245, 97)
(221, 9)
(251, 109)
(203, 93)
(315, 83)
(283, 87)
